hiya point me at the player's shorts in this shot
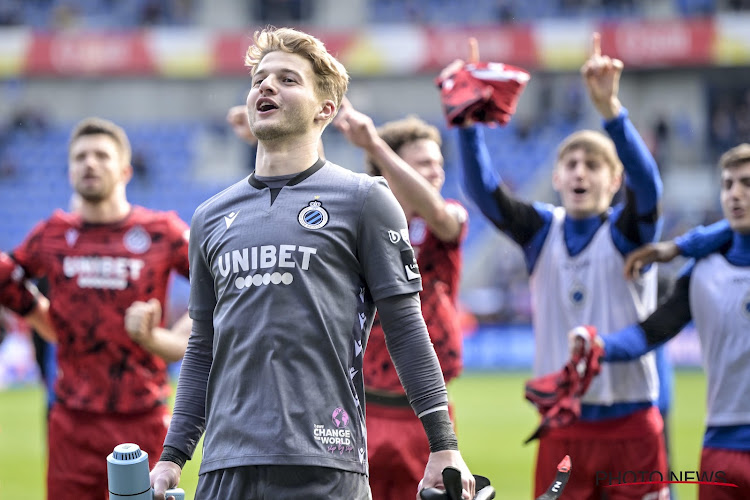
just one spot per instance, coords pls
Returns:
(256, 482)
(397, 449)
(79, 443)
(605, 454)
(736, 467)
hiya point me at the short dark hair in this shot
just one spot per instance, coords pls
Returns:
(96, 126)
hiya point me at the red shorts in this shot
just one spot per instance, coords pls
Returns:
(736, 467)
(604, 454)
(79, 443)
(398, 450)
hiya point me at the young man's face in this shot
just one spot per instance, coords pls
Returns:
(735, 196)
(585, 182)
(96, 167)
(282, 101)
(425, 157)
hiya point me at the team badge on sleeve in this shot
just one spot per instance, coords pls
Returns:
(313, 216)
(410, 264)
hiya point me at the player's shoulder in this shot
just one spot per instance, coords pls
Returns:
(350, 178)
(148, 216)
(61, 219)
(213, 203)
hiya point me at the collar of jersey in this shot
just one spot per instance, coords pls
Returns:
(253, 181)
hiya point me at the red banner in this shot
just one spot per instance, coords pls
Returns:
(200, 54)
(662, 43)
(506, 44)
(89, 54)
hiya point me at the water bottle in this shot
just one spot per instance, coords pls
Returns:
(127, 475)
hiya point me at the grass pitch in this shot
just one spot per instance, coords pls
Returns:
(492, 418)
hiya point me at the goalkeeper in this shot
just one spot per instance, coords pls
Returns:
(574, 255)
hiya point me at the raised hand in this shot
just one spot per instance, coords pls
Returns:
(602, 77)
(662, 251)
(357, 127)
(459, 63)
(237, 118)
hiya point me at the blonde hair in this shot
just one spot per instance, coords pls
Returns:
(398, 133)
(592, 143)
(331, 78)
(735, 156)
(96, 126)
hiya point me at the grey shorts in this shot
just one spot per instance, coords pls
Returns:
(282, 482)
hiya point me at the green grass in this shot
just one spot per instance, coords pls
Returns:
(493, 420)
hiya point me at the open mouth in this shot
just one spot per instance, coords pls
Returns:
(579, 191)
(264, 105)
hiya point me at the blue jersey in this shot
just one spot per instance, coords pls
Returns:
(631, 223)
(723, 345)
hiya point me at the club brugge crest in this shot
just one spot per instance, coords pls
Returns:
(313, 216)
(137, 240)
(577, 294)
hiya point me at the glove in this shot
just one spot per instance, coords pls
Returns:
(482, 92)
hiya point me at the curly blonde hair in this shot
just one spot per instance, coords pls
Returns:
(331, 78)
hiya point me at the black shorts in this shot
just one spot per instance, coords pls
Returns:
(282, 482)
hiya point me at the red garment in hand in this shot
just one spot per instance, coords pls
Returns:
(557, 395)
(482, 92)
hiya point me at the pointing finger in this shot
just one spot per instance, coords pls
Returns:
(596, 47)
(473, 50)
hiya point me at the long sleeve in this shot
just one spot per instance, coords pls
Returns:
(704, 240)
(525, 223)
(189, 415)
(638, 220)
(667, 321)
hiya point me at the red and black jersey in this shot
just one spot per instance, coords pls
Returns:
(13, 292)
(440, 265)
(95, 272)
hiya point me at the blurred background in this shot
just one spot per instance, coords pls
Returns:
(168, 71)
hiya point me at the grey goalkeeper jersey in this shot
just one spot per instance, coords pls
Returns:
(290, 287)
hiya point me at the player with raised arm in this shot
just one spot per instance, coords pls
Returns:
(287, 268)
(713, 292)
(99, 261)
(574, 255)
(407, 153)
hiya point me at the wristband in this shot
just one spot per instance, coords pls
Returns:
(439, 429)
(171, 454)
